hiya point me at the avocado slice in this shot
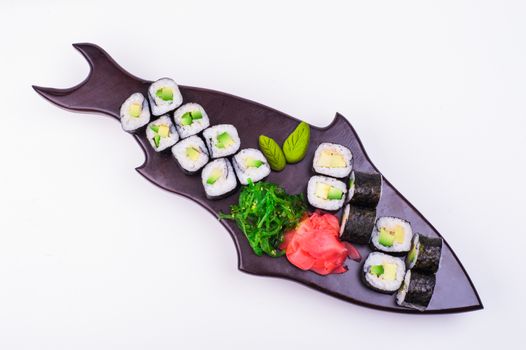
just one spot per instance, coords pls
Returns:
(385, 237)
(192, 153)
(135, 110)
(377, 270)
(165, 93)
(155, 128)
(411, 256)
(157, 140)
(331, 159)
(399, 234)
(164, 130)
(214, 176)
(334, 193)
(389, 272)
(325, 191)
(322, 190)
(196, 115)
(253, 163)
(224, 140)
(186, 119)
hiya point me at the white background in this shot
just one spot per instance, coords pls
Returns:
(436, 91)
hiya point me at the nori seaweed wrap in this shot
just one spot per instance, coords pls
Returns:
(416, 291)
(357, 224)
(424, 255)
(365, 189)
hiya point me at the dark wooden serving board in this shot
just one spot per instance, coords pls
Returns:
(108, 85)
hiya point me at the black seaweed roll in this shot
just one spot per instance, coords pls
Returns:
(416, 291)
(357, 224)
(424, 255)
(365, 189)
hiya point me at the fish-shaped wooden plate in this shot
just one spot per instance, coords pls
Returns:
(108, 85)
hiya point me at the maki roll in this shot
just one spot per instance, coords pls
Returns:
(250, 164)
(326, 193)
(392, 235)
(416, 291)
(218, 179)
(425, 254)
(365, 189)
(333, 160)
(190, 154)
(222, 140)
(164, 96)
(134, 113)
(190, 119)
(162, 134)
(357, 224)
(383, 273)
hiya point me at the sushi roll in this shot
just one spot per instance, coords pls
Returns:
(250, 164)
(164, 96)
(365, 189)
(190, 119)
(222, 140)
(425, 254)
(333, 160)
(326, 193)
(218, 179)
(190, 154)
(392, 235)
(416, 291)
(161, 133)
(134, 113)
(357, 224)
(383, 273)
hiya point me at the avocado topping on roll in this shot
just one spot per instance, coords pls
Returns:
(388, 237)
(253, 163)
(224, 140)
(331, 158)
(325, 191)
(214, 176)
(161, 130)
(165, 93)
(135, 110)
(189, 117)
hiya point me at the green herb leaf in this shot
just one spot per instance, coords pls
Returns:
(273, 153)
(296, 145)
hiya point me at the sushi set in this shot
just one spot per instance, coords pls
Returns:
(300, 202)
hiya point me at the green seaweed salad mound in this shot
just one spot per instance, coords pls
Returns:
(264, 213)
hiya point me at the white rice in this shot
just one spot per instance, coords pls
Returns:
(335, 149)
(245, 172)
(130, 123)
(160, 106)
(377, 282)
(197, 125)
(165, 142)
(210, 136)
(321, 203)
(179, 151)
(222, 186)
(390, 223)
